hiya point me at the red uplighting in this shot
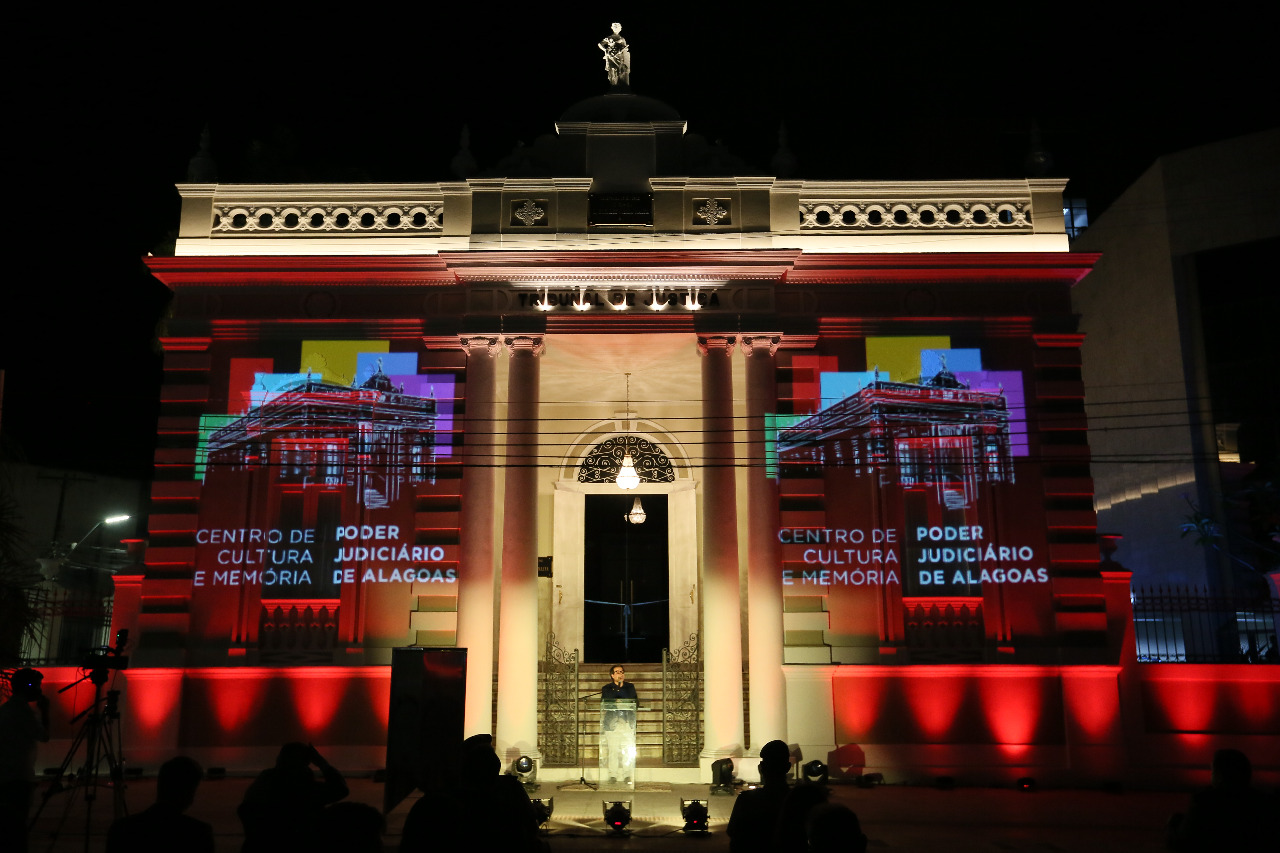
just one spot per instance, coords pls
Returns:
(1013, 707)
(934, 701)
(236, 700)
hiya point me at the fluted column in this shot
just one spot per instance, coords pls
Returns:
(721, 617)
(518, 611)
(767, 694)
(476, 575)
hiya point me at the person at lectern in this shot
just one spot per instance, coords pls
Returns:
(619, 726)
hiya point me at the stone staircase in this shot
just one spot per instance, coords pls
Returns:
(649, 734)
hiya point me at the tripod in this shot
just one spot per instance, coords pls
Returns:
(577, 723)
(100, 735)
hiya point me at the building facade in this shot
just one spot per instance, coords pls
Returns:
(395, 414)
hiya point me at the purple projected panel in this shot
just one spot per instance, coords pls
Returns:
(1011, 382)
(442, 387)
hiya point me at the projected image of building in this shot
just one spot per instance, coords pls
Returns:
(938, 434)
(373, 438)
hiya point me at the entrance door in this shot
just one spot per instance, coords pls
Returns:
(625, 581)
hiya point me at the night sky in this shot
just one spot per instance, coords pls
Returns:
(110, 116)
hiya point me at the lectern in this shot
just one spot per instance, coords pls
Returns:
(618, 745)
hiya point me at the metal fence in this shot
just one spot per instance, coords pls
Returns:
(1188, 625)
(68, 623)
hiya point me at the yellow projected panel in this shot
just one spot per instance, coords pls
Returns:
(900, 357)
(335, 361)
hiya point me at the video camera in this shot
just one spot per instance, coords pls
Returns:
(108, 657)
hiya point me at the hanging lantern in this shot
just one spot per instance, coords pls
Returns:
(627, 477)
(637, 514)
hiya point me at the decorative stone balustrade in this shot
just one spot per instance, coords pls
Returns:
(358, 219)
(1005, 214)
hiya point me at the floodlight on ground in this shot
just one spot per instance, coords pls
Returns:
(870, 780)
(815, 771)
(722, 776)
(525, 769)
(617, 814)
(543, 809)
(696, 814)
(1026, 783)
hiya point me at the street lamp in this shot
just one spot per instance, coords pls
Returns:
(111, 519)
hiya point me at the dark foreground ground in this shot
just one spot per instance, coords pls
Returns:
(894, 818)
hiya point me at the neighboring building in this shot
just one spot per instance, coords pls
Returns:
(1196, 233)
(951, 613)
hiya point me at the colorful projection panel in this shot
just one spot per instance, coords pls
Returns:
(918, 458)
(311, 477)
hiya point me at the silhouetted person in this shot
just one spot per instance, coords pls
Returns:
(353, 828)
(1228, 815)
(21, 728)
(791, 832)
(485, 811)
(163, 827)
(284, 807)
(755, 812)
(834, 828)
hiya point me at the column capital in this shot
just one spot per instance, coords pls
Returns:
(472, 344)
(532, 344)
(760, 342)
(716, 343)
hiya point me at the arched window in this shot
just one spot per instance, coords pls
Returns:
(605, 459)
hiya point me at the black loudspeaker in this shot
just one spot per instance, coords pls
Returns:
(424, 725)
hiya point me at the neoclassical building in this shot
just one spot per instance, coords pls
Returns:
(396, 415)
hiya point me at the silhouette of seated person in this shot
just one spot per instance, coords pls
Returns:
(755, 812)
(486, 810)
(834, 828)
(284, 806)
(353, 828)
(1230, 814)
(790, 835)
(164, 827)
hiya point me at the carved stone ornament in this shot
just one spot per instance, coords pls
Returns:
(528, 213)
(533, 344)
(711, 212)
(605, 460)
(761, 343)
(717, 343)
(491, 345)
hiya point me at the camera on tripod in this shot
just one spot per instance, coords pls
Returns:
(105, 658)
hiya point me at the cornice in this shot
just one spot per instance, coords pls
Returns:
(269, 270)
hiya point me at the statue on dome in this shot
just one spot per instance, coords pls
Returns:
(617, 57)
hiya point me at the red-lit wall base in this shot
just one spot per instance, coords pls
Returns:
(1145, 725)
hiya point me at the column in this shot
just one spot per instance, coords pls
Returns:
(721, 615)
(475, 575)
(518, 641)
(768, 689)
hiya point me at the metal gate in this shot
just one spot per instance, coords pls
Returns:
(681, 720)
(559, 706)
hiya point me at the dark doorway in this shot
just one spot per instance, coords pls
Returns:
(625, 580)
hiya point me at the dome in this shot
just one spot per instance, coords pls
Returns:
(620, 108)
